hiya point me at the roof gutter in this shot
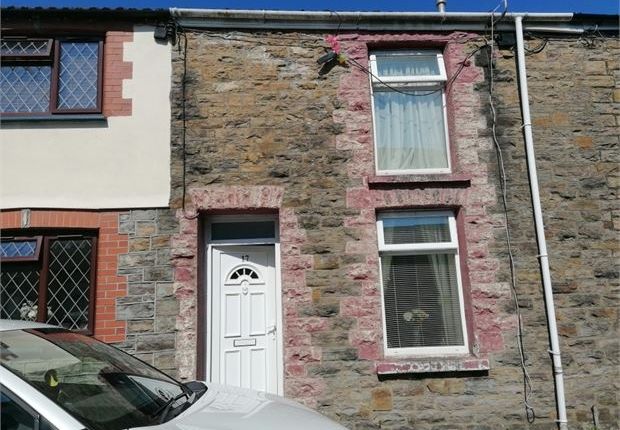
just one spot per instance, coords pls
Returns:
(367, 21)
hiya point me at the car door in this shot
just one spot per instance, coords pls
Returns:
(23, 407)
(15, 414)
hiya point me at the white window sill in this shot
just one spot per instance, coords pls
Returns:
(432, 365)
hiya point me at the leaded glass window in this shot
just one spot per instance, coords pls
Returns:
(77, 81)
(20, 249)
(46, 76)
(26, 47)
(25, 88)
(48, 279)
(19, 291)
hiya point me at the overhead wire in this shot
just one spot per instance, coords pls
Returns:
(448, 84)
(180, 30)
(538, 49)
(280, 40)
(339, 21)
(543, 44)
(530, 412)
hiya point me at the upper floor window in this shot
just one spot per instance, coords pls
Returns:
(50, 76)
(409, 112)
(422, 293)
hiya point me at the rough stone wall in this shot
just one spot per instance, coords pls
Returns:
(149, 308)
(413, 392)
(574, 96)
(258, 115)
(264, 131)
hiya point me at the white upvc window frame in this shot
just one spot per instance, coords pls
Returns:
(451, 247)
(410, 83)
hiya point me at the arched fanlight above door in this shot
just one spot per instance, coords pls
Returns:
(243, 273)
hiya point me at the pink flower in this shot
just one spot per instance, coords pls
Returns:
(333, 42)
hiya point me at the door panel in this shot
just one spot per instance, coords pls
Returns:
(258, 314)
(232, 368)
(232, 315)
(244, 317)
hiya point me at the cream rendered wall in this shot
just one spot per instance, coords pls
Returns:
(124, 164)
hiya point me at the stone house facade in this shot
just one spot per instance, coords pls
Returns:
(259, 129)
(286, 248)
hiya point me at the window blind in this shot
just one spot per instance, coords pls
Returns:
(421, 300)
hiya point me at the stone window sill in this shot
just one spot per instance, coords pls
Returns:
(432, 365)
(53, 118)
(420, 181)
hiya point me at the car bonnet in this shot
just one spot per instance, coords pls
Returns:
(230, 408)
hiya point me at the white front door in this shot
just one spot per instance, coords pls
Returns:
(244, 320)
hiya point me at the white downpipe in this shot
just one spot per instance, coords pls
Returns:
(540, 232)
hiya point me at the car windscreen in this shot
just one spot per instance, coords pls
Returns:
(101, 386)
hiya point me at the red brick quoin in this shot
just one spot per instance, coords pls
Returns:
(114, 71)
(110, 245)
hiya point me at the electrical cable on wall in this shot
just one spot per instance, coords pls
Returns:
(449, 83)
(538, 49)
(181, 31)
(530, 413)
(589, 38)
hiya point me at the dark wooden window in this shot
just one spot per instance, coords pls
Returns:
(50, 76)
(49, 278)
(20, 249)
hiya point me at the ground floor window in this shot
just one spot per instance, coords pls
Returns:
(421, 280)
(49, 278)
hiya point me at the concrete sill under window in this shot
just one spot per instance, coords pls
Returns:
(86, 117)
(420, 181)
(432, 365)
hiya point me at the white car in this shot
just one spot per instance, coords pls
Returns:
(52, 378)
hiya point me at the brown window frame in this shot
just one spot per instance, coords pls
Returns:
(30, 57)
(32, 258)
(52, 57)
(42, 263)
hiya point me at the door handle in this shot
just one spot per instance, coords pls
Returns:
(271, 330)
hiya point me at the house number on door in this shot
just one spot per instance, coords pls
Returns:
(245, 257)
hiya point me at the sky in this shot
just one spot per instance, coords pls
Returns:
(586, 6)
